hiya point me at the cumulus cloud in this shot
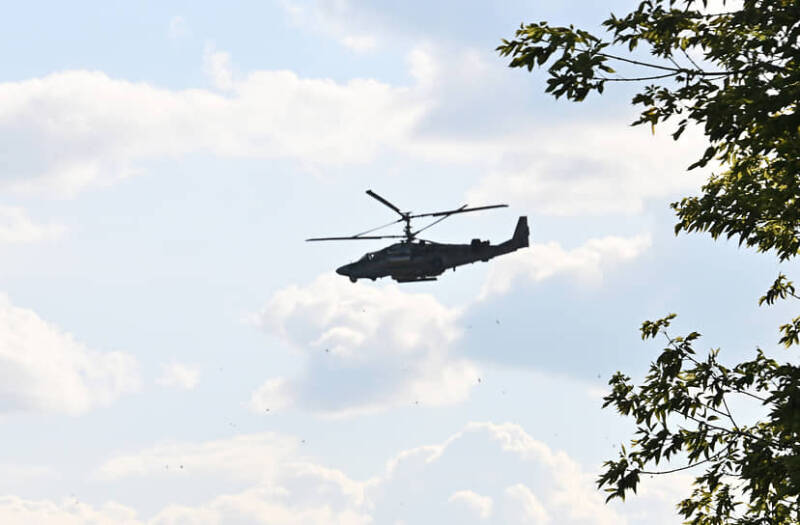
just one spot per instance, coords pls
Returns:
(532, 510)
(71, 129)
(398, 344)
(179, 375)
(68, 130)
(257, 505)
(369, 348)
(593, 168)
(586, 262)
(17, 227)
(278, 486)
(530, 483)
(480, 505)
(45, 369)
(217, 65)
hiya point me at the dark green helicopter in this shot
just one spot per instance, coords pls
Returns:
(412, 259)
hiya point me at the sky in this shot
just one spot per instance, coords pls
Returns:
(173, 352)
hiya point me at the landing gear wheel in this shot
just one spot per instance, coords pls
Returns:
(353, 279)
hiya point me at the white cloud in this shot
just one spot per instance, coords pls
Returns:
(572, 492)
(179, 375)
(397, 343)
(178, 28)
(529, 483)
(258, 506)
(19, 511)
(544, 260)
(217, 65)
(17, 227)
(274, 394)
(598, 168)
(68, 130)
(480, 505)
(45, 369)
(532, 510)
(424, 67)
(400, 346)
(280, 486)
(250, 457)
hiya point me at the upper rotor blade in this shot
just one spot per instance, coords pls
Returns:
(357, 238)
(384, 201)
(458, 210)
(437, 221)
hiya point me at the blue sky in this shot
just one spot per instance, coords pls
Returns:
(163, 326)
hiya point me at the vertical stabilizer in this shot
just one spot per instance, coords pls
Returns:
(521, 233)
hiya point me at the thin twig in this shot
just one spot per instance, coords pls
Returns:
(710, 458)
(737, 390)
(675, 63)
(638, 63)
(698, 72)
(690, 58)
(606, 79)
(728, 410)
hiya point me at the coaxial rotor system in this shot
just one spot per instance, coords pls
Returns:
(405, 217)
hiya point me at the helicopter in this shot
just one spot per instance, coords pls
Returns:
(413, 259)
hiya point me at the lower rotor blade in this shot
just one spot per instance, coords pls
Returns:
(378, 228)
(354, 238)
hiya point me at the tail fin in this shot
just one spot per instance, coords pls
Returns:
(521, 233)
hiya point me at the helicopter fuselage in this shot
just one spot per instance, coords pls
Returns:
(411, 261)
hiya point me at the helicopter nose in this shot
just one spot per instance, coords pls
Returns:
(342, 270)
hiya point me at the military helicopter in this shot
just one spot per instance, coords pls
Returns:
(414, 260)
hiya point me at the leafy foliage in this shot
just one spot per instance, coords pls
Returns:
(745, 99)
(682, 411)
(735, 73)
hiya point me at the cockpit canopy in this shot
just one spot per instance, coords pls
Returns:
(398, 249)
